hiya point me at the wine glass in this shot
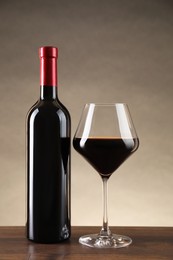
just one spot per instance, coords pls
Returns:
(105, 137)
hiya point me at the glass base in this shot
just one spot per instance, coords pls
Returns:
(112, 241)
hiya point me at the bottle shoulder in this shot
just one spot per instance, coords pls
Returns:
(48, 107)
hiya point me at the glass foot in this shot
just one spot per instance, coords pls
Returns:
(112, 241)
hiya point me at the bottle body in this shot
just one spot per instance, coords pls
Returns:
(48, 169)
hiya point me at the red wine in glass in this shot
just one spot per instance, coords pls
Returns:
(105, 154)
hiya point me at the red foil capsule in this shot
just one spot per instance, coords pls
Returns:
(48, 65)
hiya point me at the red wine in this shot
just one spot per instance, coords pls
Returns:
(105, 154)
(48, 160)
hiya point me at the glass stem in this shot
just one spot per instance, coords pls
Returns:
(105, 231)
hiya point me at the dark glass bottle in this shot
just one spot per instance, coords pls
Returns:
(48, 159)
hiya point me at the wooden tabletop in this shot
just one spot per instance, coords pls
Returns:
(148, 243)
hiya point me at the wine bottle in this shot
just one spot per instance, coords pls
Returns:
(48, 159)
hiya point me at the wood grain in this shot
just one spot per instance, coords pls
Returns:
(149, 243)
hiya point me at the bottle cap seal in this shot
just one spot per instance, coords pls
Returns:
(48, 51)
(48, 65)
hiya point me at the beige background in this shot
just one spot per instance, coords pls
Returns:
(109, 51)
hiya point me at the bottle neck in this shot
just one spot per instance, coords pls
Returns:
(48, 78)
(48, 92)
(48, 72)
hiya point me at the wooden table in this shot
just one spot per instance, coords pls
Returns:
(148, 243)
